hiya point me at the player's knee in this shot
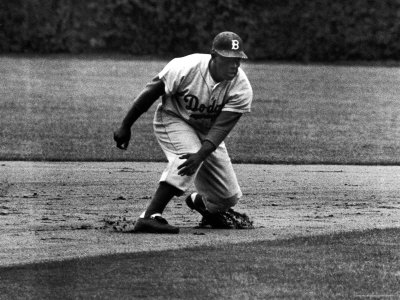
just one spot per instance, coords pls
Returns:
(232, 201)
(172, 189)
(214, 206)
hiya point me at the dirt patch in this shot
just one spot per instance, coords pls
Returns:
(52, 211)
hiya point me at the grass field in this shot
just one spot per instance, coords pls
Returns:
(65, 108)
(344, 266)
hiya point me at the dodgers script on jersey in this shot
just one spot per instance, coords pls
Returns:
(197, 103)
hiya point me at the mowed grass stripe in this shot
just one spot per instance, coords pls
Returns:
(346, 266)
(65, 109)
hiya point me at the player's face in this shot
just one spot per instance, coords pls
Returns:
(226, 68)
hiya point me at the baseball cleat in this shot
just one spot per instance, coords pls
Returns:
(195, 202)
(215, 221)
(154, 224)
(229, 219)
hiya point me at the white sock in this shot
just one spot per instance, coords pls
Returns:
(193, 196)
(152, 216)
(155, 215)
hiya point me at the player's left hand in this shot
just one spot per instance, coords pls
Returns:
(122, 137)
(190, 166)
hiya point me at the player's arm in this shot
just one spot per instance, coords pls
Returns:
(141, 104)
(224, 124)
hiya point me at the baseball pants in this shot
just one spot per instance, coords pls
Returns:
(215, 179)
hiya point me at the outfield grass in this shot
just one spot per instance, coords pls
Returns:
(355, 265)
(65, 108)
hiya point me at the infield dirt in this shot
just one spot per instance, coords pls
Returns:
(53, 211)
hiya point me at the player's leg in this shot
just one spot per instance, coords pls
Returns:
(216, 181)
(151, 220)
(216, 184)
(176, 138)
(164, 193)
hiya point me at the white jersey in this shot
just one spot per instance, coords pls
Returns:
(192, 94)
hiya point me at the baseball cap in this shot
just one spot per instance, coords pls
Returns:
(228, 44)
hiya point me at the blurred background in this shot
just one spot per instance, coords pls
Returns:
(325, 76)
(290, 30)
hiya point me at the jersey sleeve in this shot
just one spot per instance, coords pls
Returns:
(172, 75)
(240, 96)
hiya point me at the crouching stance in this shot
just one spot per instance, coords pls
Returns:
(203, 98)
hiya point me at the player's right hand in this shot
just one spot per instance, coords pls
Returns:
(122, 137)
(190, 166)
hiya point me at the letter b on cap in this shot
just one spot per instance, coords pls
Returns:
(235, 45)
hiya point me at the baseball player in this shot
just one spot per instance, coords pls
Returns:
(203, 98)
